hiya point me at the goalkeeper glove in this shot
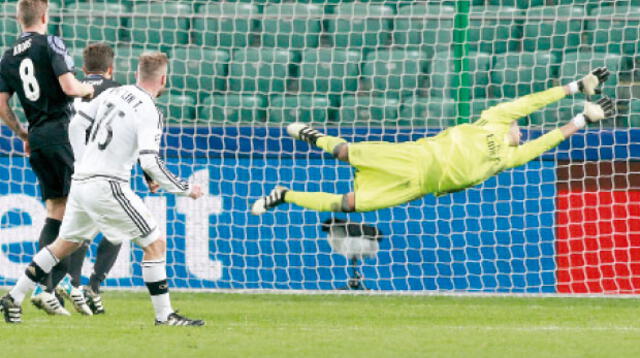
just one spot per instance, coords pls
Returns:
(588, 83)
(595, 112)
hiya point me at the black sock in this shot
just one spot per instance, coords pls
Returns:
(48, 235)
(75, 264)
(105, 259)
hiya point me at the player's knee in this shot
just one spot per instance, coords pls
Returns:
(155, 250)
(349, 203)
(341, 152)
(56, 207)
(62, 248)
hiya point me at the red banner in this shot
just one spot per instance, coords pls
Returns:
(598, 241)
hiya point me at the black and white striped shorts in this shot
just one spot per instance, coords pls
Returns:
(110, 207)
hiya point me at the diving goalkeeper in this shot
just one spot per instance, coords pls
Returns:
(390, 174)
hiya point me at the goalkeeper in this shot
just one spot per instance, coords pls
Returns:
(389, 174)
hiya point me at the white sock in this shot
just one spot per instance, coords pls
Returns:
(45, 260)
(154, 274)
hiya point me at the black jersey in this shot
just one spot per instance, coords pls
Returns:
(99, 83)
(31, 69)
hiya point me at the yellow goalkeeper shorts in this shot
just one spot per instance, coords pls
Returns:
(387, 174)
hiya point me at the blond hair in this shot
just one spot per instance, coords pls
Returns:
(152, 65)
(30, 11)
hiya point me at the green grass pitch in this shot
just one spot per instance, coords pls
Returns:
(274, 325)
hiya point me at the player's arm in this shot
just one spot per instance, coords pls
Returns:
(63, 66)
(149, 134)
(74, 88)
(593, 112)
(81, 124)
(9, 118)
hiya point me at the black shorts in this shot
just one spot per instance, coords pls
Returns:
(53, 166)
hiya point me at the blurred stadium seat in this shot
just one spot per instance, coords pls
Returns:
(348, 31)
(226, 24)
(522, 73)
(369, 110)
(264, 70)
(292, 25)
(287, 109)
(232, 108)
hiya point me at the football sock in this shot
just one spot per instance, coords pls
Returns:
(317, 201)
(48, 235)
(154, 273)
(105, 259)
(42, 263)
(75, 264)
(329, 143)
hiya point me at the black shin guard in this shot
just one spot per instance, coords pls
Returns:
(105, 259)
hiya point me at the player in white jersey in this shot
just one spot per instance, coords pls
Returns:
(126, 126)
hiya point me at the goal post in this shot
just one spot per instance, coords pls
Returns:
(394, 70)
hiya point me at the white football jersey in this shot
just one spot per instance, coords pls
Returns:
(126, 126)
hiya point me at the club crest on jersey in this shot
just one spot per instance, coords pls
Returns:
(21, 47)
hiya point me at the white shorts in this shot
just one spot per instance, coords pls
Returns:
(110, 207)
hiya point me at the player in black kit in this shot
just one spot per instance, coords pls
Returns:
(39, 70)
(98, 70)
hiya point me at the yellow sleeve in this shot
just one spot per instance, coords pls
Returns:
(533, 149)
(507, 112)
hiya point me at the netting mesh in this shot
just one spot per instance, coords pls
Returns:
(365, 70)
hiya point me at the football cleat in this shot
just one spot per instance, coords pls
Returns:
(275, 198)
(12, 312)
(175, 319)
(75, 295)
(304, 132)
(94, 301)
(49, 303)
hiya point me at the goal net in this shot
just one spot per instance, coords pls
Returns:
(240, 71)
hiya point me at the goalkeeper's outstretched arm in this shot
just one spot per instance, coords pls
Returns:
(593, 112)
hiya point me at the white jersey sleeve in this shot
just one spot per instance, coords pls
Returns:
(149, 135)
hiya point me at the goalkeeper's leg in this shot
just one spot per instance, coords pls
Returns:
(318, 201)
(335, 146)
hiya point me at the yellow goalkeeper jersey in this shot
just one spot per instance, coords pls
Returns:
(468, 154)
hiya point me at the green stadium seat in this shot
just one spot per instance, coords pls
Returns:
(84, 23)
(621, 36)
(369, 110)
(423, 112)
(577, 64)
(556, 113)
(443, 80)
(327, 70)
(264, 70)
(197, 69)
(292, 25)
(10, 30)
(522, 73)
(552, 34)
(480, 104)
(350, 29)
(488, 34)
(126, 63)
(177, 108)
(396, 73)
(236, 26)
(522, 4)
(634, 113)
(161, 24)
(286, 109)
(431, 34)
(231, 108)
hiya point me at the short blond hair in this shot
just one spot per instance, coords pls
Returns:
(30, 11)
(152, 65)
